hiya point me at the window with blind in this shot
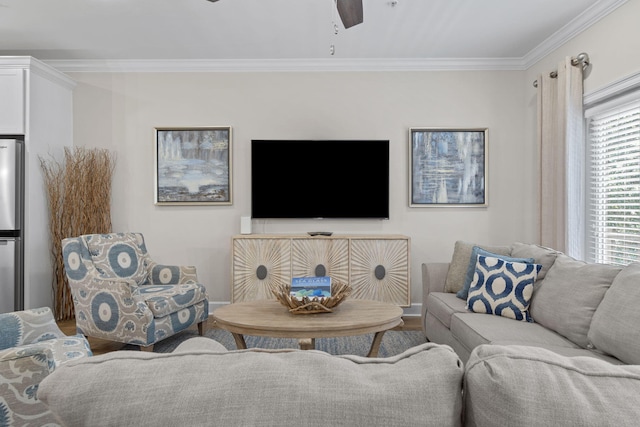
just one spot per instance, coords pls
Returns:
(613, 184)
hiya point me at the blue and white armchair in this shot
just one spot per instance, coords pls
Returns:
(31, 347)
(120, 294)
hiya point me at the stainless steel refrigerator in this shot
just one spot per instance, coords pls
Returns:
(11, 220)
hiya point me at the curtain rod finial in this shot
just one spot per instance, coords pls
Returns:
(582, 58)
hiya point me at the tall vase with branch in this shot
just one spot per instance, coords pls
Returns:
(79, 197)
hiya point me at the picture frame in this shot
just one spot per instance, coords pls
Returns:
(193, 166)
(448, 167)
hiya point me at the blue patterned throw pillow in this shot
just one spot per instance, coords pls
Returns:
(471, 269)
(502, 288)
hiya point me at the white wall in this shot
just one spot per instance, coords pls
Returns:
(119, 111)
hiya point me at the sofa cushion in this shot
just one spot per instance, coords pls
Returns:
(614, 328)
(443, 305)
(460, 262)
(474, 329)
(471, 269)
(166, 299)
(569, 295)
(422, 386)
(528, 386)
(564, 351)
(541, 255)
(199, 344)
(502, 288)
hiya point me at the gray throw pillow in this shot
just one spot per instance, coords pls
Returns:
(614, 328)
(541, 255)
(460, 262)
(569, 295)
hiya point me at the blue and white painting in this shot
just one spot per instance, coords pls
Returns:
(193, 166)
(448, 167)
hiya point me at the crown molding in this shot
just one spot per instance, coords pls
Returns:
(286, 65)
(583, 21)
(37, 67)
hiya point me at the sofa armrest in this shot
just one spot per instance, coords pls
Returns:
(122, 287)
(21, 371)
(28, 327)
(434, 275)
(35, 357)
(125, 291)
(124, 294)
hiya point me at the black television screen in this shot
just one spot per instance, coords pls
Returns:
(319, 179)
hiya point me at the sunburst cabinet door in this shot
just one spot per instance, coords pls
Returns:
(325, 257)
(259, 266)
(380, 270)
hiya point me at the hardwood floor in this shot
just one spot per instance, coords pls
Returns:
(99, 346)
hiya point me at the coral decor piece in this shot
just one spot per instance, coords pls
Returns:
(79, 197)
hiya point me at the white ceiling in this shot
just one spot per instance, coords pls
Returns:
(514, 33)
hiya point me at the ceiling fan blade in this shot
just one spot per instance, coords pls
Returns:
(350, 12)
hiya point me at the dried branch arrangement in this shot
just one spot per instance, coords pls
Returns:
(306, 305)
(79, 197)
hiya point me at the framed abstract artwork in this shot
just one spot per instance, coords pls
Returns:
(448, 167)
(193, 166)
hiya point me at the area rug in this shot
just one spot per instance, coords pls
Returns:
(393, 342)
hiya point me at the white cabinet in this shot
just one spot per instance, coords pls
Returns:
(12, 102)
(375, 266)
(36, 102)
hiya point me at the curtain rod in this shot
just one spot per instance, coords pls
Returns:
(582, 59)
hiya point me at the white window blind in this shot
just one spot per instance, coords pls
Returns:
(613, 199)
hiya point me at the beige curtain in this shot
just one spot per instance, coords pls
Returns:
(561, 141)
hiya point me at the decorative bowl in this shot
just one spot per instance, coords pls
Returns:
(311, 305)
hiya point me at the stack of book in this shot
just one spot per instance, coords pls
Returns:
(311, 287)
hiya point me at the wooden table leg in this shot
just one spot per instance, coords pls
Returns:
(375, 344)
(240, 342)
(307, 343)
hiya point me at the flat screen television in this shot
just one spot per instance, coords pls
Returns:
(319, 179)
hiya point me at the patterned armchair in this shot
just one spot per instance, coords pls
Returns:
(120, 294)
(31, 347)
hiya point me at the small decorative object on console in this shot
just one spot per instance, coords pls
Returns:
(307, 305)
(310, 287)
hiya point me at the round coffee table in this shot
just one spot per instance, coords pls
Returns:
(272, 319)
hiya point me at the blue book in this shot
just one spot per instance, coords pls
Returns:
(311, 287)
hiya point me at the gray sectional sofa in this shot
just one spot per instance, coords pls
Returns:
(575, 364)
(202, 384)
(576, 308)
